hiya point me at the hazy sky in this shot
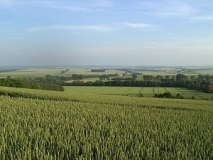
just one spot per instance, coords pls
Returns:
(106, 32)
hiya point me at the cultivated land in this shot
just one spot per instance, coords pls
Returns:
(62, 125)
(137, 91)
(104, 122)
(41, 72)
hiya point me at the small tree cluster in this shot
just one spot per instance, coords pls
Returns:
(164, 95)
(178, 96)
(64, 71)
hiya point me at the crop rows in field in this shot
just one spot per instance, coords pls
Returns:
(103, 127)
(120, 90)
(113, 90)
(146, 91)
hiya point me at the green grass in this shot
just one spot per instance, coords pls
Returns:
(146, 91)
(92, 126)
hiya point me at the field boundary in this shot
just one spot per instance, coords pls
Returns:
(128, 90)
(178, 89)
(141, 90)
(115, 90)
(166, 89)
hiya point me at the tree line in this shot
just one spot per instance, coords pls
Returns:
(76, 77)
(7, 70)
(97, 70)
(23, 83)
(201, 83)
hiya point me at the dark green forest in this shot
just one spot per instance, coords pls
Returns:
(23, 83)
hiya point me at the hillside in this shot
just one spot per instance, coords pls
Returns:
(56, 125)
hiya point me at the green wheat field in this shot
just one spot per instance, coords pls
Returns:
(66, 125)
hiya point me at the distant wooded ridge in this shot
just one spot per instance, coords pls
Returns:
(201, 83)
(23, 83)
(97, 70)
(7, 70)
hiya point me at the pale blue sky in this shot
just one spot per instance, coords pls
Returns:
(106, 32)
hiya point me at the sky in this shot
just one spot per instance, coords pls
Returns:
(106, 32)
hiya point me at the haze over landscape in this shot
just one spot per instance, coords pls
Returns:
(106, 32)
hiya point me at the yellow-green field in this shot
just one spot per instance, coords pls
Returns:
(36, 72)
(31, 73)
(63, 125)
(41, 72)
